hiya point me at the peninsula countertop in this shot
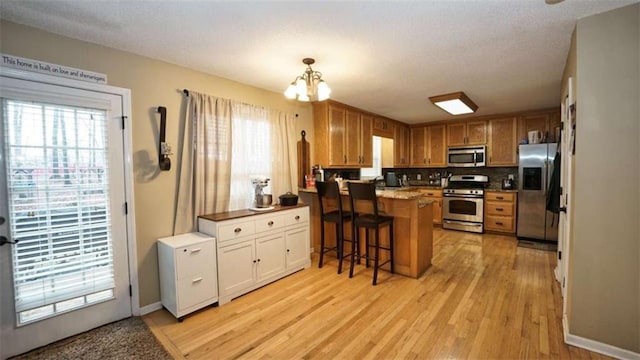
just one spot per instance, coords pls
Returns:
(388, 193)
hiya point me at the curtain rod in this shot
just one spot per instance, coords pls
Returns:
(186, 92)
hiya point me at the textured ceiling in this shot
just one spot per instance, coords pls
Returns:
(382, 56)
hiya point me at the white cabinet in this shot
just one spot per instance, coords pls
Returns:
(256, 250)
(188, 272)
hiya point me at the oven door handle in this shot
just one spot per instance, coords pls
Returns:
(465, 223)
(464, 196)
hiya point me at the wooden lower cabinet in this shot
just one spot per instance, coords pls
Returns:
(436, 196)
(500, 211)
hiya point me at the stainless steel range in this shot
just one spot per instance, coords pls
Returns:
(463, 203)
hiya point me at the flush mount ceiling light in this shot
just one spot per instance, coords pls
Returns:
(456, 103)
(309, 86)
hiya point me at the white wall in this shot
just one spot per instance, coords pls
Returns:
(605, 257)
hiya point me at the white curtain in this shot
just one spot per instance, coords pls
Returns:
(205, 166)
(216, 176)
(284, 152)
(251, 154)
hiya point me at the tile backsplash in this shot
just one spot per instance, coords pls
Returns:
(495, 174)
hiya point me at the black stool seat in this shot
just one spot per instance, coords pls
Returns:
(330, 190)
(372, 221)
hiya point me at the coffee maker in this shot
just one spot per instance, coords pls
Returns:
(508, 183)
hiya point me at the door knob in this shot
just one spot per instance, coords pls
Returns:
(1, 220)
(4, 240)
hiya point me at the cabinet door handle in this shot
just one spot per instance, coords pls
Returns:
(499, 198)
(424, 161)
(499, 209)
(288, 250)
(258, 260)
(196, 280)
(255, 261)
(297, 217)
(345, 159)
(237, 230)
(499, 223)
(430, 194)
(270, 223)
(195, 250)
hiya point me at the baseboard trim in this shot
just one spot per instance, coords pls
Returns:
(596, 346)
(144, 310)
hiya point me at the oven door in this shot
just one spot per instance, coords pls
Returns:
(462, 208)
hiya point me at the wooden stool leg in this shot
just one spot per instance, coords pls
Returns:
(355, 236)
(376, 260)
(340, 244)
(366, 247)
(391, 245)
(321, 243)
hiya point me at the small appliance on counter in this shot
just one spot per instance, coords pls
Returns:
(391, 179)
(261, 201)
(508, 184)
(288, 199)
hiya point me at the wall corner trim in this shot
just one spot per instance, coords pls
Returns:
(596, 346)
(147, 309)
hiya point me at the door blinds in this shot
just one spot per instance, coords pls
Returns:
(58, 191)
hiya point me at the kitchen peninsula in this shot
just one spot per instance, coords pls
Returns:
(413, 226)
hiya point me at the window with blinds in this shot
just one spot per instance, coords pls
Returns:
(59, 210)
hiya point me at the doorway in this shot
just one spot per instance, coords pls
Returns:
(63, 219)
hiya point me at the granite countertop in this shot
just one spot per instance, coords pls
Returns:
(388, 193)
(501, 190)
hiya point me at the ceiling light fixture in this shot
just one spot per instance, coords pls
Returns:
(456, 103)
(309, 86)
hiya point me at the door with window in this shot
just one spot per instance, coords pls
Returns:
(63, 254)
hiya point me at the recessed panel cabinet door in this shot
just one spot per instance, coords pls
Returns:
(456, 134)
(437, 148)
(337, 134)
(418, 146)
(352, 150)
(270, 256)
(237, 269)
(503, 142)
(476, 132)
(366, 141)
(297, 244)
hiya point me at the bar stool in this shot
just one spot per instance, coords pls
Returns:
(369, 221)
(330, 190)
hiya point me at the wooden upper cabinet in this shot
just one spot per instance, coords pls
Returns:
(383, 127)
(337, 135)
(437, 146)
(401, 144)
(503, 142)
(428, 146)
(419, 146)
(467, 133)
(366, 140)
(352, 154)
(546, 122)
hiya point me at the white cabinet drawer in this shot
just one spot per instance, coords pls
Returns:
(265, 223)
(196, 289)
(195, 259)
(236, 230)
(298, 216)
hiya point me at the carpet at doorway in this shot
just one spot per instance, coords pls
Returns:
(125, 339)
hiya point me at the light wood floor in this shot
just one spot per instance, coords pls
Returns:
(482, 298)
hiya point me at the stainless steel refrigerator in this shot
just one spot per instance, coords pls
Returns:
(534, 174)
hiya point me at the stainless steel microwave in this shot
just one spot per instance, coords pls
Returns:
(467, 156)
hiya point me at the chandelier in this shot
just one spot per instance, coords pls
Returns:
(309, 86)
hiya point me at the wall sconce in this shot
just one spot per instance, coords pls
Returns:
(164, 150)
(456, 103)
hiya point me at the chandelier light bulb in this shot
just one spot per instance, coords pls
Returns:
(290, 93)
(323, 91)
